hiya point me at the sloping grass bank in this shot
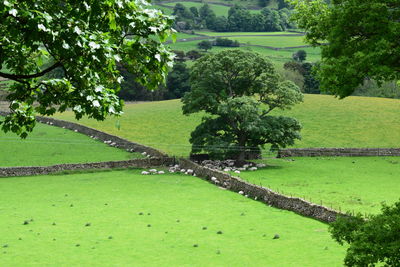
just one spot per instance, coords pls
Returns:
(49, 145)
(327, 122)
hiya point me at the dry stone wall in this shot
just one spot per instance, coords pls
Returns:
(134, 163)
(262, 194)
(338, 152)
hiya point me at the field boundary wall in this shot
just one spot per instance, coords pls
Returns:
(133, 163)
(338, 152)
(259, 193)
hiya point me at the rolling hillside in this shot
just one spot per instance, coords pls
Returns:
(327, 122)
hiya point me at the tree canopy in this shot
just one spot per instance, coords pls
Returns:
(238, 90)
(372, 240)
(85, 39)
(359, 40)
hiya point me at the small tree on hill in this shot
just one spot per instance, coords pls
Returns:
(206, 45)
(238, 90)
(300, 55)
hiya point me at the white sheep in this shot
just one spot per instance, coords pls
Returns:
(153, 170)
(237, 171)
(241, 192)
(161, 172)
(213, 179)
(145, 173)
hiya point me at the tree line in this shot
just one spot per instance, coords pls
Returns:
(239, 19)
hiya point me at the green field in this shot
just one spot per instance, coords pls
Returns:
(327, 122)
(209, 33)
(278, 57)
(356, 184)
(274, 41)
(93, 219)
(49, 145)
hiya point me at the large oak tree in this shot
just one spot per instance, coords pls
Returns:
(238, 90)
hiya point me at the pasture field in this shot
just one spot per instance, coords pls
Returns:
(210, 33)
(49, 145)
(327, 122)
(356, 184)
(278, 57)
(122, 218)
(274, 41)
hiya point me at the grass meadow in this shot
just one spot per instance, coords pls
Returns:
(352, 184)
(327, 122)
(278, 57)
(49, 145)
(210, 33)
(122, 218)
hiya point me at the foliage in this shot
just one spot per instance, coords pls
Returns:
(310, 83)
(205, 45)
(300, 55)
(239, 19)
(85, 39)
(131, 90)
(361, 37)
(373, 240)
(238, 90)
(177, 81)
(177, 84)
(226, 42)
(193, 54)
(371, 88)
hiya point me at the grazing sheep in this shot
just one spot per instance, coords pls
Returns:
(237, 171)
(213, 179)
(161, 172)
(189, 171)
(153, 170)
(253, 169)
(241, 192)
(145, 173)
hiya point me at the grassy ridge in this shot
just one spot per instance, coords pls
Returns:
(327, 122)
(48, 145)
(175, 209)
(357, 184)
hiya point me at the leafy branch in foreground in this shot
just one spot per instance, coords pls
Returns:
(372, 240)
(85, 40)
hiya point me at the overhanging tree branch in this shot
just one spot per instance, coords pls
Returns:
(18, 77)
